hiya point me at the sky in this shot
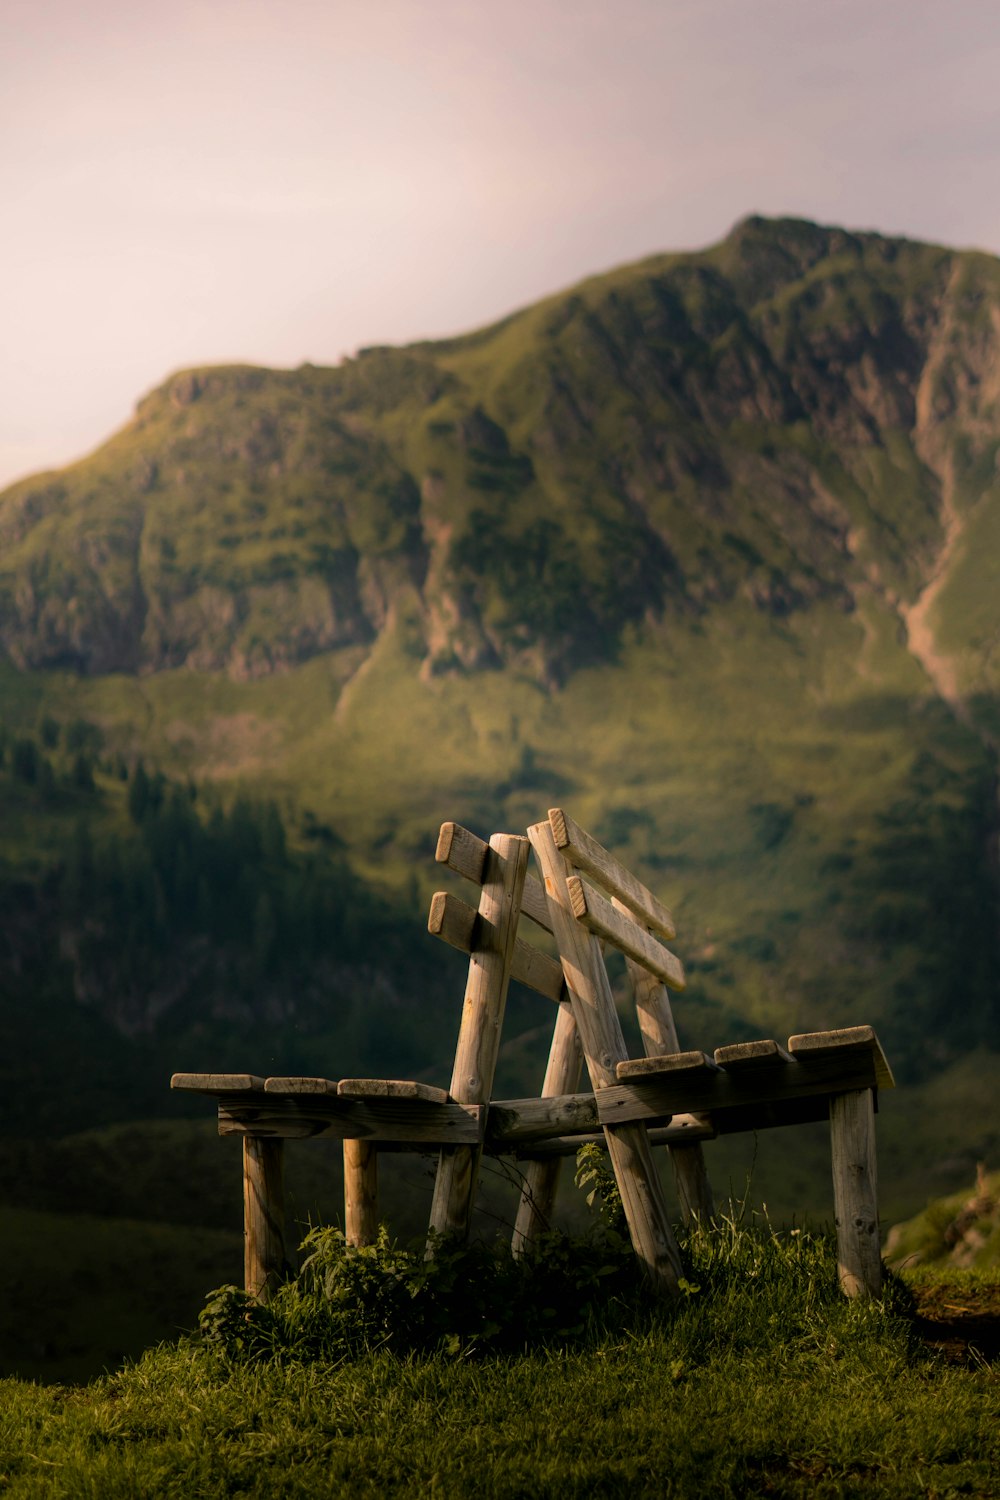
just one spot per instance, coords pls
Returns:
(276, 181)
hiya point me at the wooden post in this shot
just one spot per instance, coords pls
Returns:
(360, 1192)
(482, 1022)
(855, 1192)
(659, 1036)
(603, 1048)
(541, 1177)
(263, 1216)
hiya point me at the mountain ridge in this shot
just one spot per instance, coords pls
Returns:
(608, 448)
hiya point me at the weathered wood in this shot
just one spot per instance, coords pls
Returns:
(541, 1177)
(519, 1126)
(855, 1193)
(360, 1193)
(263, 1217)
(306, 1116)
(603, 1048)
(217, 1083)
(456, 923)
(482, 1021)
(585, 853)
(390, 1088)
(762, 1054)
(659, 1037)
(683, 1132)
(357, 1088)
(600, 917)
(695, 1064)
(821, 1045)
(708, 1089)
(464, 853)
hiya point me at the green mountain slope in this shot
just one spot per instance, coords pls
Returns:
(701, 549)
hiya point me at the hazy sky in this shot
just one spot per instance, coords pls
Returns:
(196, 183)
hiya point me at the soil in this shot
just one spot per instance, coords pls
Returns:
(962, 1324)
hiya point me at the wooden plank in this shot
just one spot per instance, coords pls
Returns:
(357, 1088)
(709, 1089)
(761, 1054)
(540, 1182)
(821, 1045)
(465, 853)
(585, 853)
(683, 1132)
(603, 1047)
(599, 916)
(693, 1064)
(855, 1193)
(305, 1117)
(455, 923)
(360, 1193)
(263, 1217)
(514, 1122)
(217, 1083)
(461, 851)
(482, 1022)
(390, 1088)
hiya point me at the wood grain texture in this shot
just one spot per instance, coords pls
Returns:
(822, 1045)
(465, 853)
(695, 1064)
(659, 1037)
(360, 1193)
(391, 1088)
(683, 1131)
(599, 916)
(585, 853)
(304, 1117)
(713, 1090)
(217, 1083)
(603, 1048)
(456, 923)
(855, 1193)
(482, 1022)
(762, 1054)
(540, 1181)
(263, 1217)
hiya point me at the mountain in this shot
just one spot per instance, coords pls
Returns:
(702, 548)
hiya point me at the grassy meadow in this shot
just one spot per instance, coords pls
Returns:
(761, 1381)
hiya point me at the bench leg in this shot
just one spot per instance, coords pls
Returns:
(454, 1189)
(694, 1191)
(855, 1193)
(263, 1216)
(541, 1178)
(360, 1192)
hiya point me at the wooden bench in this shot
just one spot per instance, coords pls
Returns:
(669, 1096)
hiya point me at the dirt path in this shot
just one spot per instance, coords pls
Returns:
(920, 637)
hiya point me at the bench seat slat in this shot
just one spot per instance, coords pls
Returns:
(760, 1054)
(218, 1083)
(818, 1046)
(391, 1088)
(674, 1064)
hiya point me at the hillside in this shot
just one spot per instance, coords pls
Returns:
(702, 548)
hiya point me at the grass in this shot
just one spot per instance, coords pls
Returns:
(762, 1381)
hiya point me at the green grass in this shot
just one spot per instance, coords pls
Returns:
(763, 1381)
